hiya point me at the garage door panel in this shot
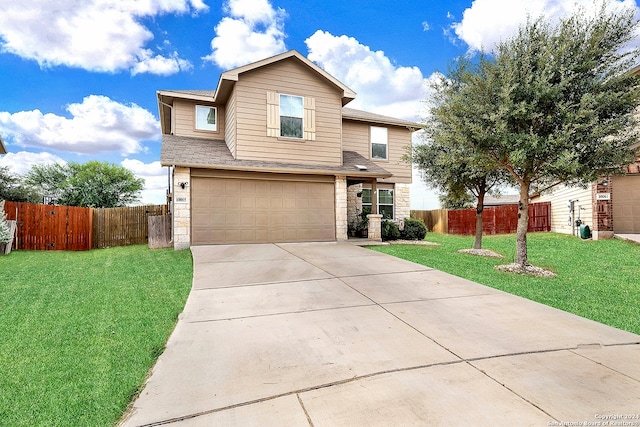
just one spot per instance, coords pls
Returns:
(276, 204)
(626, 204)
(276, 220)
(228, 210)
(302, 204)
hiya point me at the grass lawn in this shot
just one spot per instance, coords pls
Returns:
(599, 280)
(80, 330)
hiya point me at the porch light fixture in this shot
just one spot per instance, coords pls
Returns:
(183, 185)
(604, 182)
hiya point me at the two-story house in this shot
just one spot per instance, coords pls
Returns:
(273, 155)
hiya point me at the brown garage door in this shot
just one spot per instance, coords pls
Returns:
(244, 210)
(626, 204)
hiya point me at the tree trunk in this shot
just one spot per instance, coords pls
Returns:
(477, 244)
(523, 224)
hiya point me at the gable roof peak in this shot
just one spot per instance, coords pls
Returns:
(228, 77)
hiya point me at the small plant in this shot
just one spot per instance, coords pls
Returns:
(5, 231)
(390, 230)
(353, 227)
(364, 224)
(359, 225)
(414, 229)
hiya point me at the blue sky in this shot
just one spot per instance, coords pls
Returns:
(79, 79)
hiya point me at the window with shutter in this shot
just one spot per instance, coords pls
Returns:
(291, 116)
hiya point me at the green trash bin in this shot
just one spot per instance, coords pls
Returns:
(585, 232)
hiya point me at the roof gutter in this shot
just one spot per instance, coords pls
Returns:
(296, 171)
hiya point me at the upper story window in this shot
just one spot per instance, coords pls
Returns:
(378, 143)
(206, 118)
(291, 114)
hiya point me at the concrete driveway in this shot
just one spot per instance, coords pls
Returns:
(329, 334)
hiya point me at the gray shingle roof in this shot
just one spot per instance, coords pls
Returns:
(214, 154)
(365, 116)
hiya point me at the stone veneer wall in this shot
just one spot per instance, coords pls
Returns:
(354, 203)
(402, 203)
(182, 210)
(341, 207)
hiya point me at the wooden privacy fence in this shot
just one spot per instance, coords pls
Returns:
(160, 231)
(435, 220)
(123, 226)
(47, 227)
(495, 220)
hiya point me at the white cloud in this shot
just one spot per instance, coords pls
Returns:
(95, 35)
(487, 22)
(159, 64)
(253, 30)
(97, 125)
(155, 178)
(19, 163)
(381, 86)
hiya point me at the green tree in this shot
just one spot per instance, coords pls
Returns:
(13, 188)
(49, 179)
(92, 184)
(448, 159)
(557, 104)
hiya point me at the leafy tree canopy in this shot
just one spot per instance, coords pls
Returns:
(92, 184)
(555, 103)
(448, 158)
(14, 189)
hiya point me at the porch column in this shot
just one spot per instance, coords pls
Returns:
(181, 209)
(341, 207)
(375, 227)
(374, 196)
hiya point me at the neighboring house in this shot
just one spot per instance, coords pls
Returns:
(273, 155)
(502, 200)
(3, 150)
(609, 206)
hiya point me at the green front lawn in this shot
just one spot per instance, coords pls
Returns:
(80, 330)
(599, 280)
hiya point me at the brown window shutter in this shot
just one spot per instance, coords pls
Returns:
(309, 118)
(273, 114)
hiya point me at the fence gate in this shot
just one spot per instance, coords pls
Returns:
(46, 227)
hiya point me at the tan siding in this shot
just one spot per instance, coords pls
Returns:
(559, 199)
(230, 124)
(289, 77)
(185, 125)
(356, 138)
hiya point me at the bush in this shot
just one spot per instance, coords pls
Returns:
(5, 231)
(390, 230)
(414, 229)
